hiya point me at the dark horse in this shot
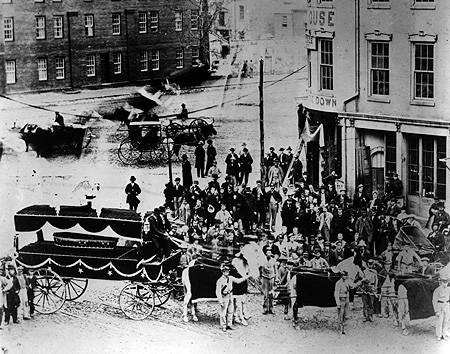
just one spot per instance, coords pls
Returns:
(65, 139)
(192, 138)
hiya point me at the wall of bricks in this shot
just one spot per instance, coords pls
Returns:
(25, 49)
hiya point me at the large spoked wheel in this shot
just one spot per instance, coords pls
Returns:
(129, 152)
(50, 292)
(197, 126)
(173, 129)
(137, 301)
(162, 294)
(75, 288)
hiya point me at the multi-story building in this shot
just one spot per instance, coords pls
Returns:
(55, 44)
(379, 82)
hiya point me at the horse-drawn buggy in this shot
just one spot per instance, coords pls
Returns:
(158, 140)
(67, 247)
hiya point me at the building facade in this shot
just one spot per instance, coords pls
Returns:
(56, 44)
(378, 80)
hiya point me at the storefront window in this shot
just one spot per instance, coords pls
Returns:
(441, 168)
(390, 155)
(413, 165)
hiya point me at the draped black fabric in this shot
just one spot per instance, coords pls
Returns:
(316, 289)
(79, 210)
(38, 210)
(124, 222)
(125, 214)
(203, 278)
(420, 297)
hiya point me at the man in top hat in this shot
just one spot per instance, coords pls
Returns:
(200, 159)
(259, 196)
(296, 174)
(178, 191)
(245, 166)
(211, 154)
(224, 292)
(285, 159)
(132, 190)
(232, 169)
(441, 305)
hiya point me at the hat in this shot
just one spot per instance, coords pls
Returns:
(282, 149)
(231, 149)
(214, 175)
(289, 148)
(11, 266)
(362, 243)
(272, 148)
(132, 178)
(258, 181)
(425, 259)
(290, 262)
(371, 261)
(282, 259)
(360, 185)
(177, 179)
(225, 266)
(200, 142)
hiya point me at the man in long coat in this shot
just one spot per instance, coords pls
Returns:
(200, 160)
(132, 190)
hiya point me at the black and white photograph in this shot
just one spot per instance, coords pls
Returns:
(224, 176)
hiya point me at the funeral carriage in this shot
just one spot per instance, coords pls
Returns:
(67, 247)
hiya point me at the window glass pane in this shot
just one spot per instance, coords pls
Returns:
(413, 164)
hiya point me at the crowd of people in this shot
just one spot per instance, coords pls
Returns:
(320, 227)
(17, 297)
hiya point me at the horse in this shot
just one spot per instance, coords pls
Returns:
(199, 279)
(69, 139)
(192, 138)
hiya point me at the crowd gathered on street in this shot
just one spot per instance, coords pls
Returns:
(321, 226)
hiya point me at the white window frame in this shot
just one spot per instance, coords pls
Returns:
(379, 4)
(8, 29)
(178, 20)
(117, 63)
(60, 68)
(58, 28)
(89, 24)
(195, 50)
(42, 65)
(179, 57)
(90, 65)
(372, 69)
(422, 39)
(155, 60)
(195, 17)
(142, 22)
(319, 51)
(40, 27)
(423, 5)
(116, 23)
(143, 61)
(10, 71)
(154, 21)
(241, 12)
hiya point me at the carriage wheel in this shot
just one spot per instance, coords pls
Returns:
(129, 152)
(137, 301)
(173, 129)
(196, 126)
(50, 292)
(74, 288)
(162, 294)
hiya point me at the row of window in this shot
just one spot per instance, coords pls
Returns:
(148, 60)
(147, 21)
(379, 68)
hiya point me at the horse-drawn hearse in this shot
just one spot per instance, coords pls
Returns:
(67, 247)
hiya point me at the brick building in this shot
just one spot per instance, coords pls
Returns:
(56, 44)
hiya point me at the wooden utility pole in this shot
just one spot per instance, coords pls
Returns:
(261, 119)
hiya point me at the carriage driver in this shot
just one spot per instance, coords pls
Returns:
(224, 289)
